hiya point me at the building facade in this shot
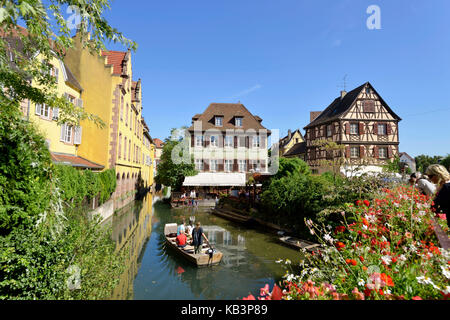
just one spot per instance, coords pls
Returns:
(293, 145)
(228, 138)
(359, 121)
(111, 94)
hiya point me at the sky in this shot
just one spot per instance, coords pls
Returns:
(285, 58)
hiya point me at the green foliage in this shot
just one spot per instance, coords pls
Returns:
(76, 185)
(292, 166)
(24, 172)
(44, 23)
(394, 166)
(446, 162)
(424, 161)
(172, 172)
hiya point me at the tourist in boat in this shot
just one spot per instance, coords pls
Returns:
(197, 238)
(190, 227)
(441, 178)
(181, 228)
(181, 240)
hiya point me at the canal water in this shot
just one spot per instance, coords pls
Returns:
(156, 272)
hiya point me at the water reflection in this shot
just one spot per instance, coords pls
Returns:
(248, 262)
(131, 229)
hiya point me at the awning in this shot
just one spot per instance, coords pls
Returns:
(216, 179)
(74, 161)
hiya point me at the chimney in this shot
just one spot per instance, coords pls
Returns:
(289, 134)
(343, 93)
(314, 115)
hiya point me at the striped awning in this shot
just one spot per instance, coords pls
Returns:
(75, 161)
(216, 179)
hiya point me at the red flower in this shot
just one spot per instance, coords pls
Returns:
(339, 229)
(367, 203)
(340, 245)
(351, 261)
(250, 297)
(417, 298)
(361, 258)
(276, 293)
(387, 279)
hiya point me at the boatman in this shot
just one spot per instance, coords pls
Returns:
(197, 238)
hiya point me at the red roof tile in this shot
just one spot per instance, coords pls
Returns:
(75, 161)
(158, 143)
(115, 58)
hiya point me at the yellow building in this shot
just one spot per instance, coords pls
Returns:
(111, 94)
(293, 145)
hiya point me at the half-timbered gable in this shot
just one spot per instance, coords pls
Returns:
(362, 122)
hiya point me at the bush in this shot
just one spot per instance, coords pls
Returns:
(25, 167)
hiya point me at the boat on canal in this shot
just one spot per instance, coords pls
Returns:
(232, 216)
(208, 256)
(300, 244)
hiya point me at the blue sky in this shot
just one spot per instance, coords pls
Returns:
(285, 58)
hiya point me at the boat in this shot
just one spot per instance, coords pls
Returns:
(208, 257)
(300, 244)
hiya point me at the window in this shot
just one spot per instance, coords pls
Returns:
(238, 121)
(329, 132)
(354, 152)
(214, 141)
(354, 128)
(66, 133)
(256, 141)
(256, 165)
(367, 90)
(228, 165)
(382, 130)
(242, 166)
(199, 164)
(213, 165)
(382, 153)
(199, 141)
(43, 110)
(229, 141)
(219, 121)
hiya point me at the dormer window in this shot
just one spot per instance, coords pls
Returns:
(238, 121)
(219, 121)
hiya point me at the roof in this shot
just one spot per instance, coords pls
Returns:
(299, 148)
(229, 111)
(71, 78)
(219, 179)
(75, 161)
(115, 58)
(284, 141)
(401, 154)
(158, 143)
(341, 105)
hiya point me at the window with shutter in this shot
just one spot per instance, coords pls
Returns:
(38, 109)
(55, 113)
(78, 135)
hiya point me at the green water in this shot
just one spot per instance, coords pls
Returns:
(157, 272)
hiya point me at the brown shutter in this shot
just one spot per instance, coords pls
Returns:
(263, 139)
(390, 153)
(333, 129)
(235, 166)
(375, 128)
(206, 165)
(361, 128)
(247, 142)
(347, 152)
(207, 140)
(347, 128)
(247, 164)
(221, 165)
(376, 153)
(361, 151)
(235, 141)
(388, 128)
(192, 140)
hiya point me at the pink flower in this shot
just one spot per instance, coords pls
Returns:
(264, 291)
(358, 295)
(250, 297)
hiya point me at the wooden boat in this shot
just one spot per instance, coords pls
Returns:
(300, 244)
(208, 257)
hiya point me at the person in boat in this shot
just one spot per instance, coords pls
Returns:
(181, 228)
(197, 238)
(181, 240)
(190, 227)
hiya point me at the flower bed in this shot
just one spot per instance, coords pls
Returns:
(386, 249)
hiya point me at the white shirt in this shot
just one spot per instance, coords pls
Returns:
(426, 187)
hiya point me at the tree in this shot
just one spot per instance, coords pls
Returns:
(47, 33)
(446, 162)
(424, 161)
(176, 163)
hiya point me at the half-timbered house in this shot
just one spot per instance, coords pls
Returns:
(359, 121)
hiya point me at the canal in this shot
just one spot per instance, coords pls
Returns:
(156, 272)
